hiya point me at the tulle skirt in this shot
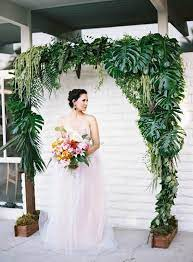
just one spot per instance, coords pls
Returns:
(77, 220)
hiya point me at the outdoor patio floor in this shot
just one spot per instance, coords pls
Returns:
(133, 247)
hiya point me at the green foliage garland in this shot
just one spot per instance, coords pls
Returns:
(150, 74)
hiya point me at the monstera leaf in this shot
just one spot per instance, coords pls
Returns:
(122, 57)
(25, 127)
(166, 79)
(169, 86)
(146, 53)
(151, 128)
(171, 142)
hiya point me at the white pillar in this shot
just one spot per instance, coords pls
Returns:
(163, 22)
(26, 34)
(162, 11)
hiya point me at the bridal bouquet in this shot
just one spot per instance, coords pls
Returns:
(70, 150)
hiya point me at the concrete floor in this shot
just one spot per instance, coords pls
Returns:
(133, 247)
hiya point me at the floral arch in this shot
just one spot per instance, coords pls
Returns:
(150, 74)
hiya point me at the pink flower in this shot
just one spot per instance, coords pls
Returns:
(78, 151)
(65, 146)
(83, 145)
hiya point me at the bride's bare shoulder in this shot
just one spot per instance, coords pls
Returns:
(90, 118)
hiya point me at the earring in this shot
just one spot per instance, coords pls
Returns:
(74, 107)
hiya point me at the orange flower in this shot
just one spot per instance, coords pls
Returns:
(66, 155)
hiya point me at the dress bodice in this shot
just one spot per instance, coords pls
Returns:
(80, 127)
(82, 130)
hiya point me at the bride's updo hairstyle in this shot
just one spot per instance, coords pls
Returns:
(74, 95)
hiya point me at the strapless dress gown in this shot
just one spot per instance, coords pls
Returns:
(77, 220)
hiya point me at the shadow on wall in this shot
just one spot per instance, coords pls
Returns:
(187, 42)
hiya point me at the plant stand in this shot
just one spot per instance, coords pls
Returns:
(26, 231)
(163, 241)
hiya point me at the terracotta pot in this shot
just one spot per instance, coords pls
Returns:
(26, 231)
(163, 241)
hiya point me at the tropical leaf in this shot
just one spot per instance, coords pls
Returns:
(25, 127)
(151, 128)
(146, 54)
(171, 142)
(122, 57)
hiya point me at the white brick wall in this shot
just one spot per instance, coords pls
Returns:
(130, 200)
(184, 201)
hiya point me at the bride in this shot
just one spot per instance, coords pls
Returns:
(77, 220)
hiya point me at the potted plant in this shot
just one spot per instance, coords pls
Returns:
(26, 225)
(162, 236)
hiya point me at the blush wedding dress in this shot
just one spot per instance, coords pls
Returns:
(77, 220)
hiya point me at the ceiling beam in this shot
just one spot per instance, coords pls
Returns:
(7, 49)
(46, 25)
(66, 3)
(17, 15)
(177, 21)
(160, 5)
(13, 13)
(164, 8)
(9, 34)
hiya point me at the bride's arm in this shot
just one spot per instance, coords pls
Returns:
(94, 135)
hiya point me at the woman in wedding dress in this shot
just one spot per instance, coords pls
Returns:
(77, 221)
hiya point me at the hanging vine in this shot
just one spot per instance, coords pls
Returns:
(149, 73)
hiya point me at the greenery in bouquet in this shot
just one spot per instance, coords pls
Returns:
(70, 149)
